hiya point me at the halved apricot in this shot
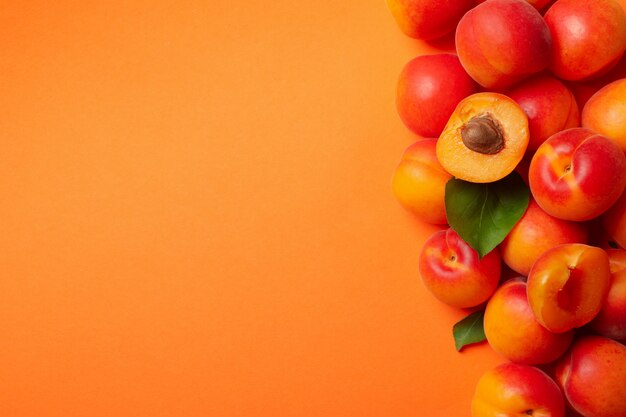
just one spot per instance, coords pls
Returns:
(568, 285)
(485, 138)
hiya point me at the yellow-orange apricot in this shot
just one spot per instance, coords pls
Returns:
(605, 112)
(517, 390)
(485, 138)
(419, 182)
(428, 19)
(535, 233)
(513, 331)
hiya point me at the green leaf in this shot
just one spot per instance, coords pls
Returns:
(483, 214)
(469, 330)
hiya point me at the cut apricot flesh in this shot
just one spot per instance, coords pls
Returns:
(485, 138)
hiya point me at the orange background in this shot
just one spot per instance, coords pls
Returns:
(196, 215)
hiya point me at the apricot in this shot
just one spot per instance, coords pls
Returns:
(584, 90)
(577, 174)
(428, 19)
(549, 105)
(452, 271)
(605, 112)
(485, 138)
(419, 182)
(537, 4)
(523, 166)
(501, 42)
(611, 320)
(614, 221)
(429, 89)
(567, 286)
(513, 331)
(517, 390)
(588, 37)
(598, 236)
(535, 233)
(592, 375)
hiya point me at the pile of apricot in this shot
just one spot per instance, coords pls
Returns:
(537, 87)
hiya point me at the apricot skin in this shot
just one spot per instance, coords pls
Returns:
(513, 331)
(453, 273)
(588, 37)
(535, 233)
(605, 112)
(583, 90)
(428, 19)
(568, 285)
(577, 174)
(549, 105)
(537, 4)
(592, 374)
(611, 320)
(501, 42)
(517, 390)
(419, 182)
(429, 88)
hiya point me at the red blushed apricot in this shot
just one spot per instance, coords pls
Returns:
(428, 19)
(584, 90)
(588, 37)
(605, 112)
(453, 273)
(537, 4)
(592, 374)
(535, 233)
(611, 320)
(599, 237)
(568, 285)
(523, 166)
(614, 221)
(577, 174)
(485, 138)
(419, 182)
(513, 331)
(549, 105)
(501, 42)
(517, 390)
(429, 89)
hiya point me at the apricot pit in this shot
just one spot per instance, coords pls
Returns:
(483, 135)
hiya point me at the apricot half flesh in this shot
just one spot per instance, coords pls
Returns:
(485, 138)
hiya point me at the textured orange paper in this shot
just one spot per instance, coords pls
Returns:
(196, 216)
